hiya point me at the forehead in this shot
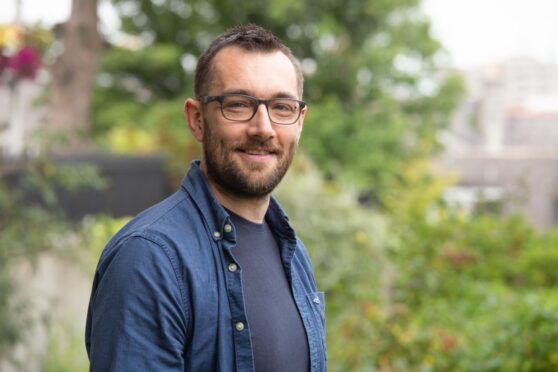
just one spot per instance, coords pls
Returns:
(262, 74)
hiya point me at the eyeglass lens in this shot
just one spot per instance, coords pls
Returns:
(241, 108)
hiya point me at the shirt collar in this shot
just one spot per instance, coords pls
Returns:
(196, 186)
(215, 216)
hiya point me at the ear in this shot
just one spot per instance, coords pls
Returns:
(194, 118)
(301, 122)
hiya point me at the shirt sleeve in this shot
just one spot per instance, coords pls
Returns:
(137, 317)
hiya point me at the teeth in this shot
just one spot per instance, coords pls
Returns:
(257, 152)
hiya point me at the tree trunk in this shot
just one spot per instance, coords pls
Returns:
(73, 77)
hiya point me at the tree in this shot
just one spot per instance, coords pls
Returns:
(373, 79)
(74, 72)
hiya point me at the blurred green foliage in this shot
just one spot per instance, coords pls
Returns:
(65, 349)
(413, 285)
(425, 286)
(376, 83)
(31, 224)
(416, 285)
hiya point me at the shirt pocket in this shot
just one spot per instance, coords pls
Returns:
(317, 304)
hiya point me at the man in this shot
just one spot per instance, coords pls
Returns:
(214, 278)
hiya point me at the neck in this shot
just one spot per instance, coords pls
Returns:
(253, 209)
(250, 208)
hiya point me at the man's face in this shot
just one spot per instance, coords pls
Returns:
(249, 159)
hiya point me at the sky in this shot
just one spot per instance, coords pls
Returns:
(478, 32)
(475, 32)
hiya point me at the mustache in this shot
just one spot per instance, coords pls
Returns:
(258, 145)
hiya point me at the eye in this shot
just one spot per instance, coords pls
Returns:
(237, 103)
(283, 106)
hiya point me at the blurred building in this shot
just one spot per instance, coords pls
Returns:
(503, 140)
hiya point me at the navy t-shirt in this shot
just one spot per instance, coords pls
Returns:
(278, 338)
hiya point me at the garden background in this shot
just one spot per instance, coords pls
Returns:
(412, 282)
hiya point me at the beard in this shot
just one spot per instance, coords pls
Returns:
(244, 179)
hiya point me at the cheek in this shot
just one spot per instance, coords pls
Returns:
(229, 137)
(222, 136)
(289, 135)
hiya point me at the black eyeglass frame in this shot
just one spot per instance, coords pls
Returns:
(207, 99)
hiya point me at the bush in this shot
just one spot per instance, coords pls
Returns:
(421, 286)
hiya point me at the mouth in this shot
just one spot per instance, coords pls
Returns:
(258, 151)
(257, 154)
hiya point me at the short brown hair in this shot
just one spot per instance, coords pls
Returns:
(249, 37)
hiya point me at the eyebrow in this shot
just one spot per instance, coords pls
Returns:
(248, 93)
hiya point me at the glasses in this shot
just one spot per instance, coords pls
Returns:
(239, 107)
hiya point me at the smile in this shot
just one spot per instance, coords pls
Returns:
(258, 151)
(257, 155)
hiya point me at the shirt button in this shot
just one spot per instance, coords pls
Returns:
(228, 228)
(239, 326)
(217, 234)
(232, 268)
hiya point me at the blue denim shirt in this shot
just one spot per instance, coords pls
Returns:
(167, 297)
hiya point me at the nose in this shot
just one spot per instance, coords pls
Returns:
(260, 125)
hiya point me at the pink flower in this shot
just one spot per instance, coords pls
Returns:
(25, 63)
